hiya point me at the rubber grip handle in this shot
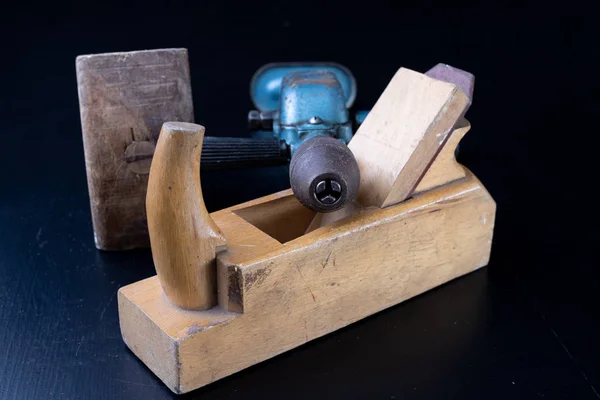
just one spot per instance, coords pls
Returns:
(230, 152)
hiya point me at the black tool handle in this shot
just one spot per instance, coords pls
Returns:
(324, 174)
(230, 152)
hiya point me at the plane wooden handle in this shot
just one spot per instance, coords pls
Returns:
(183, 236)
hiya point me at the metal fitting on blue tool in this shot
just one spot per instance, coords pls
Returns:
(312, 104)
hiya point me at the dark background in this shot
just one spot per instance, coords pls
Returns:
(524, 327)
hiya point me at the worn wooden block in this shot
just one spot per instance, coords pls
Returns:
(124, 98)
(278, 292)
(402, 134)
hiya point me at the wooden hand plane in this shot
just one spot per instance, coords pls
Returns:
(247, 283)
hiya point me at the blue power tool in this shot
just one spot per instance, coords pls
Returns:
(302, 117)
(297, 102)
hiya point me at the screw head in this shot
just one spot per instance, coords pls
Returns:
(328, 191)
(315, 120)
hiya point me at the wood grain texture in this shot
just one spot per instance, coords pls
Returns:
(288, 294)
(322, 219)
(124, 98)
(445, 168)
(282, 218)
(402, 134)
(184, 237)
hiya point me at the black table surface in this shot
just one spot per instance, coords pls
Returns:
(523, 327)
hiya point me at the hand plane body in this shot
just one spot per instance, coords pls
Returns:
(244, 284)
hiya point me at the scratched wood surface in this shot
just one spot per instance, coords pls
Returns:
(445, 168)
(124, 98)
(274, 296)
